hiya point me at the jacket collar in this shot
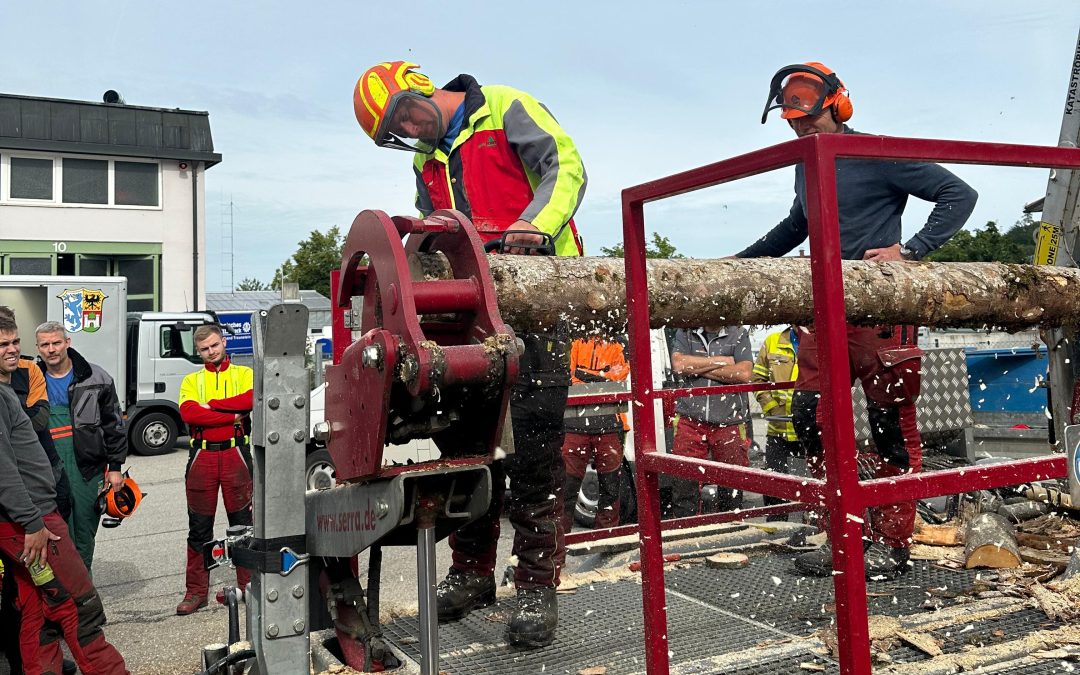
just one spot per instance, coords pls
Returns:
(79, 365)
(220, 368)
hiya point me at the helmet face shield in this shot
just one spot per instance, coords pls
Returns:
(801, 90)
(802, 95)
(412, 122)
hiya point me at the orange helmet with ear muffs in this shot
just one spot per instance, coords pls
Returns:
(115, 505)
(808, 89)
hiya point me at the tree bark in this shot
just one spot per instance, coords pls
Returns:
(989, 541)
(534, 292)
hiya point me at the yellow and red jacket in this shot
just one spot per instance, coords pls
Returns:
(510, 161)
(227, 389)
(776, 362)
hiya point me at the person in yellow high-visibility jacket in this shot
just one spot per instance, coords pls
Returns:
(777, 361)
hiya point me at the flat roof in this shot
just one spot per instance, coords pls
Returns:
(39, 124)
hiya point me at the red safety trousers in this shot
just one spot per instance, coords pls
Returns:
(208, 471)
(886, 362)
(715, 442)
(606, 451)
(70, 601)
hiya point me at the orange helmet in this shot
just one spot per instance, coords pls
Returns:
(386, 92)
(807, 89)
(115, 505)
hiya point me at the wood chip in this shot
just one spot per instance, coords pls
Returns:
(924, 642)
(594, 670)
(815, 667)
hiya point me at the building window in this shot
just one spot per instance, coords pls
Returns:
(86, 181)
(31, 178)
(136, 183)
(80, 181)
(29, 265)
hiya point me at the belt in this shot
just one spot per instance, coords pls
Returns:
(219, 445)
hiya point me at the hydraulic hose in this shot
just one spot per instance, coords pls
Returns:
(235, 657)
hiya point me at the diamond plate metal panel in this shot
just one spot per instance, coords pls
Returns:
(944, 406)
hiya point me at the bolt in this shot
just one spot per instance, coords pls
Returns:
(272, 630)
(271, 595)
(299, 436)
(273, 403)
(298, 626)
(322, 432)
(381, 509)
(273, 437)
(299, 402)
(298, 592)
(370, 357)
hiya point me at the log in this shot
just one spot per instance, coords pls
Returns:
(1025, 510)
(937, 535)
(989, 542)
(534, 291)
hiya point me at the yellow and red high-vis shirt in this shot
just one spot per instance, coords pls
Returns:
(510, 161)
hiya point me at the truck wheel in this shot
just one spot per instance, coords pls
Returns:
(154, 434)
(320, 470)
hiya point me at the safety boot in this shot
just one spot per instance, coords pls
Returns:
(885, 562)
(190, 604)
(816, 563)
(534, 621)
(462, 592)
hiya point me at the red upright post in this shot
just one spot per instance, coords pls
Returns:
(654, 603)
(838, 433)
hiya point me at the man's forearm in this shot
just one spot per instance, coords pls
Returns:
(685, 364)
(734, 373)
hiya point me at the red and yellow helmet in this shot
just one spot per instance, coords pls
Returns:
(807, 89)
(115, 505)
(388, 88)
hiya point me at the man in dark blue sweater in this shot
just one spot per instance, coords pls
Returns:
(871, 196)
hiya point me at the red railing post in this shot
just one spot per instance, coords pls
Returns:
(835, 409)
(653, 600)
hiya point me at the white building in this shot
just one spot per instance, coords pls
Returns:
(106, 189)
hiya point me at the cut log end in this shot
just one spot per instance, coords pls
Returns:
(727, 561)
(990, 542)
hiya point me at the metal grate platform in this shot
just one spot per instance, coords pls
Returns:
(710, 613)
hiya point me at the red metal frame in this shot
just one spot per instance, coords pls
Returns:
(841, 491)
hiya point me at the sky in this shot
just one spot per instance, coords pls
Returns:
(645, 89)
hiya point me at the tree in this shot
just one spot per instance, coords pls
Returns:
(659, 248)
(251, 284)
(990, 245)
(310, 266)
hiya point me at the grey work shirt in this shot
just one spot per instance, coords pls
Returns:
(27, 488)
(718, 409)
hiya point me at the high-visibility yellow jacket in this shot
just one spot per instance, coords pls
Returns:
(510, 161)
(777, 362)
(227, 389)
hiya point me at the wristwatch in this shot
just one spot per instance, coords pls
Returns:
(907, 253)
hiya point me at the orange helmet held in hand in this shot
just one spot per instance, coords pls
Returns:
(115, 505)
(387, 95)
(807, 89)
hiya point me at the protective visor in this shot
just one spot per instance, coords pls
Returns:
(800, 90)
(412, 122)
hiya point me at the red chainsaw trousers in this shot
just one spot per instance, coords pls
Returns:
(891, 380)
(208, 471)
(69, 601)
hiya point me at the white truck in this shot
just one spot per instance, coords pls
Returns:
(146, 353)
